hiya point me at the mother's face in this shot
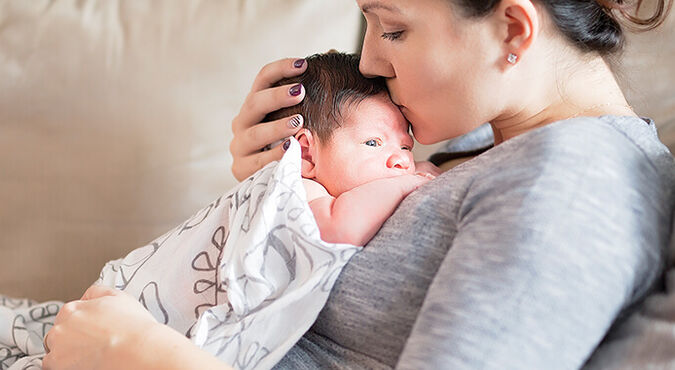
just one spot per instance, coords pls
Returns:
(439, 66)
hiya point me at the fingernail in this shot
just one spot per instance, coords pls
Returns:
(299, 63)
(286, 145)
(295, 90)
(295, 121)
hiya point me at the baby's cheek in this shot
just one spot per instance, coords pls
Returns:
(356, 178)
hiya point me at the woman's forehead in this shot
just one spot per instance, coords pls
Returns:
(398, 7)
(371, 5)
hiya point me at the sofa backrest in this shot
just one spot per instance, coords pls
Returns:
(646, 74)
(115, 120)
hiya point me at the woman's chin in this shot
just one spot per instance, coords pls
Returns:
(425, 138)
(425, 141)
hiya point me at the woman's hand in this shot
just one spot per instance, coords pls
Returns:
(250, 134)
(103, 330)
(109, 329)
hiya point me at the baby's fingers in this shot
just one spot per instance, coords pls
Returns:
(427, 167)
(425, 175)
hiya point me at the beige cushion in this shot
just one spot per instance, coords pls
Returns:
(115, 120)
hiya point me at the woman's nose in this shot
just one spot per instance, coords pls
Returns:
(400, 161)
(373, 63)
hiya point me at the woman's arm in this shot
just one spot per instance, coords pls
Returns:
(250, 133)
(108, 329)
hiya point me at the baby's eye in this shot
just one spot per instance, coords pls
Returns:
(405, 147)
(373, 143)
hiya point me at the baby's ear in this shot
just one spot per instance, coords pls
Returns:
(308, 145)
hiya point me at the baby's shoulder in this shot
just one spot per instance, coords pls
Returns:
(314, 189)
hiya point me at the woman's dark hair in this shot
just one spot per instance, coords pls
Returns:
(591, 25)
(332, 83)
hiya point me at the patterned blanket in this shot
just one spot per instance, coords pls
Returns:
(244, 278)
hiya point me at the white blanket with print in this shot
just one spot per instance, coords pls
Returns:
(244, 278)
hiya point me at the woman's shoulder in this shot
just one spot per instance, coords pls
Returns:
(589, 138)
(586, 142)
(585, 158)
(591, 159)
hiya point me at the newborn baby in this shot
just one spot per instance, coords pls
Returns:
(357, 163)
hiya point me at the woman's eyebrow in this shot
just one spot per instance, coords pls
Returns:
(378, 5)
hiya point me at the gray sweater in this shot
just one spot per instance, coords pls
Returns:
(521, 258)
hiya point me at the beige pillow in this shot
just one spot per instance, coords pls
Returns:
(115, 120)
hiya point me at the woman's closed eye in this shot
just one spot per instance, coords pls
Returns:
(392, 36)
(373, 142)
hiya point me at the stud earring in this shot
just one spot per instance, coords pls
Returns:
(512, 58)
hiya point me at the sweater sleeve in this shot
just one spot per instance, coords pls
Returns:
(553, 244)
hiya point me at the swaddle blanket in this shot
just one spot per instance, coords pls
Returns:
(244, 278)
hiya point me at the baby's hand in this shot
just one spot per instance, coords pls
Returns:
(427, 167)
(410, 183)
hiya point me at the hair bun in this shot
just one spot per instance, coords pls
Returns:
(596, 25)
(630, 10)
(603, 31)
(589, 25)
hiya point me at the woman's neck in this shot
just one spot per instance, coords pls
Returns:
(588, 90)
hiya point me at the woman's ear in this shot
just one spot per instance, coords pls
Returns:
(308, 147)
(519, 25)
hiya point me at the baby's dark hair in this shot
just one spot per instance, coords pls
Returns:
(332, 84)
(590, 25)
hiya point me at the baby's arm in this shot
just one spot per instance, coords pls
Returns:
(356, 215)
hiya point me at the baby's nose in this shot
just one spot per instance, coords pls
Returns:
(400, 161)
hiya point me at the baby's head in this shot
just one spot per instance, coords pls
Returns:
(352, 132)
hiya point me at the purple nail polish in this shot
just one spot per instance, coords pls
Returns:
(299, 63)
(286, 145)
(295, 90)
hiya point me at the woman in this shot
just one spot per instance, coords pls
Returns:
(520, 258)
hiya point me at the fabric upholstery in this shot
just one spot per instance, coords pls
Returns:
(646, 73)
(115, 120)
